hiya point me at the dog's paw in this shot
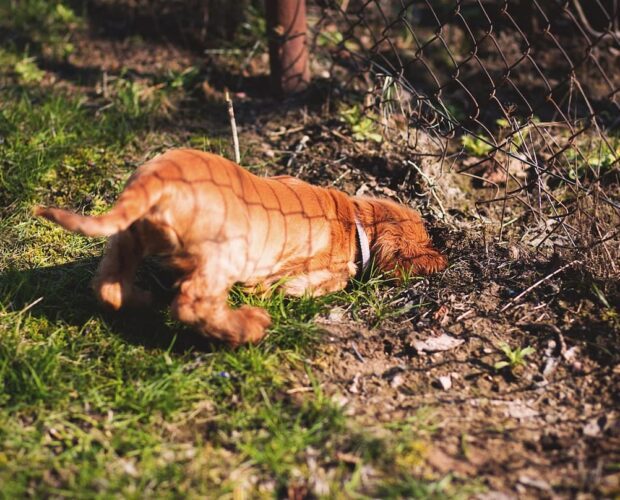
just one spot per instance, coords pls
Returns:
(254, 323)
(110, 294)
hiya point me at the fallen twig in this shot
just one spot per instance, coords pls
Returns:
(286, 131)
(537, 284)
(31, 305)
(225, 52)
(233, 126)
(464, 315)
(296, 390)
(357, 353)
(300, 146)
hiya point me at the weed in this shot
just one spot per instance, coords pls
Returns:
(515, 358)
(476, 146)
(253, 29)
(611, 317)
(330, 38)
(377, 297)
(363, 125)
(136, 100)
(28, 71)
(593, 158)
(185, 79)
(600, 295)
(45, 26)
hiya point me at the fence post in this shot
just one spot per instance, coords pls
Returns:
(288, 47)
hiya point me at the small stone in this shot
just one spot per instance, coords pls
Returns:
(445, 382)
(336, 315)
(594, 427)
(354, 387)
(397, 381)
(539, 484)
(550, 366)
(571, 354)
(520, 410)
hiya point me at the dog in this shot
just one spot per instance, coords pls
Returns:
(218, 224)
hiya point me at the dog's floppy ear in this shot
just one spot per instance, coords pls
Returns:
(398, 250)
(426, 260)
(403, 245)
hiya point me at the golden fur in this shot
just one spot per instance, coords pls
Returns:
(219, 225)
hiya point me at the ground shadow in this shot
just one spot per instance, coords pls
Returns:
(62, 294)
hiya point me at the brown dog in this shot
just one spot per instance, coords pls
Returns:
(219, 225)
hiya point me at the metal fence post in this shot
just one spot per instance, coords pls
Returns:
(288, 47)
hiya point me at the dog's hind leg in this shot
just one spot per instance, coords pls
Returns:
(113, 283)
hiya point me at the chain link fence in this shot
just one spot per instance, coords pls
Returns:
(521, 97)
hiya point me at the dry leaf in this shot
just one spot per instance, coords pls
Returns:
(435, 344)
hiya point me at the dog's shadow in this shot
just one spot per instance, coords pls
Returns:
(62, 294)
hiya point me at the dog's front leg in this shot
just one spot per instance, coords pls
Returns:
(202, 307)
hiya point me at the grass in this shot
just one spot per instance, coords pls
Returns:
(135, 404)
(120, 405)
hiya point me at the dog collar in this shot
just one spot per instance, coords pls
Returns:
(364, 245)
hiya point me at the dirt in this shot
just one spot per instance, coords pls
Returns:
(544, 429)
(550, 428)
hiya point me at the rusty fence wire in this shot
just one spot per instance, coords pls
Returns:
(521, 96)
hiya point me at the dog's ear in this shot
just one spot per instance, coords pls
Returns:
(405, 248)
(427, 260)
(407, 257)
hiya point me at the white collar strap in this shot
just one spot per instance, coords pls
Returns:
(364, 245)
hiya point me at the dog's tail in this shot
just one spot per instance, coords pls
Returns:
(135, 201)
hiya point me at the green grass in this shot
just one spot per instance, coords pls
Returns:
(125, 405)
(135, 404)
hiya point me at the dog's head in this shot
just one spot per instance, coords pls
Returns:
(399, 241)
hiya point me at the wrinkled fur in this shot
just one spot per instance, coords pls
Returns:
(219, 225)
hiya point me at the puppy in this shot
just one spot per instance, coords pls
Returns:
(218, 225)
